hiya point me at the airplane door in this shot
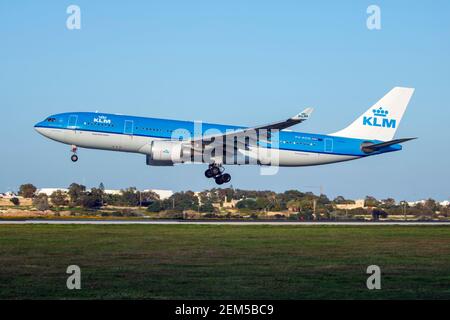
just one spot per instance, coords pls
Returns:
(128, 129)
(328, 145)
(73, 119)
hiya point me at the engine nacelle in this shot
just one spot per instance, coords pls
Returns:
(164, 153)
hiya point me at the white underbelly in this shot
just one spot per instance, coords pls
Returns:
(129, 143)
(289, 158)
(104, 141)
(285, 158)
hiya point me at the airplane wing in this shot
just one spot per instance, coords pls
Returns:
(198, 144)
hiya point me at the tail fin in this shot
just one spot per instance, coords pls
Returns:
(381, 121)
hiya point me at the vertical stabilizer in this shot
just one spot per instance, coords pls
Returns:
(381, 121)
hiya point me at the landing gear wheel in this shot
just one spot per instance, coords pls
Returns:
(226, 178)
(74, 158)
(219, 180)
(209, 173)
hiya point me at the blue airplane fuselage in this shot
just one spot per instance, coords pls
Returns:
(131, 134)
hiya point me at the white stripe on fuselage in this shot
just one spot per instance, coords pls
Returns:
(131, 143)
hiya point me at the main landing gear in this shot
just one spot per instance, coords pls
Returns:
(216, 171)
(74, 156)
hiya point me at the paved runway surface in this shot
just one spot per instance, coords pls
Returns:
(241, 223)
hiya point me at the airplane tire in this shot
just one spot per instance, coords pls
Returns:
(74, 158)
(226, 178)
(209, 173)
(219, 180)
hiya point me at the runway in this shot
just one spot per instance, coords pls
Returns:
(235, 223)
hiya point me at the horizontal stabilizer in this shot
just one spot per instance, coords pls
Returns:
(368, 148)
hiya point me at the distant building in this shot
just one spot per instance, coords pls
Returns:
(8, 195)
(444, 203)
(113, 192)
(49, 191)
(230, 204)
(414, 203)
(358, 204)
(163, 194)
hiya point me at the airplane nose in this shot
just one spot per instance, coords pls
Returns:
(38, 128)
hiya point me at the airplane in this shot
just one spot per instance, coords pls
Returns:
(167, 142)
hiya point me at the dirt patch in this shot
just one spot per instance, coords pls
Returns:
(5, 202)
(25, 213)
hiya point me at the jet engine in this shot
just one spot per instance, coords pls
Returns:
(164, 153)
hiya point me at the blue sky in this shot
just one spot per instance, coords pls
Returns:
(234, 62)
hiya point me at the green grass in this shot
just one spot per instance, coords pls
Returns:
(224, 262)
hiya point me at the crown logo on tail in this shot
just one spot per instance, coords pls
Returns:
(380, 112)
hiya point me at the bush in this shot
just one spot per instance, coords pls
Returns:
(76, 191)
(378, 213)
(92, 199)
(172, 214)
(249, 204)
(207, 207)
(305, 216)
(155, 206)
(59, 198)
(40, 202)
(15, 201)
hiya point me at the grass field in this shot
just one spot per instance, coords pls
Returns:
(224, 262)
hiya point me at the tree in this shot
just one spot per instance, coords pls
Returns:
(207, 207)
(184, 201)
(40, 202)
(263, 203)
(92, 199)
(15, 201)
(148, 197)
(371, 202)
(76, 191)
(342, 200)
(130, 197)
(294, 205)
(323, 200)
(388, 203)
(305, 215)
(249, 204)
(431, 204)
(27, 190)
(59, 198)
(155, 206)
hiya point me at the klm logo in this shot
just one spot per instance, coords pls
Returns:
(102, 120)
(379, 119)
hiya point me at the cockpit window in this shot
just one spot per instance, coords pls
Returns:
(51, 119)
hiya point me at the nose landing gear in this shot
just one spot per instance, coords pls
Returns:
(74, 156)
(216, 171)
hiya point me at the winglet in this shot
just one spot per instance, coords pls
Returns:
(304, 115)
